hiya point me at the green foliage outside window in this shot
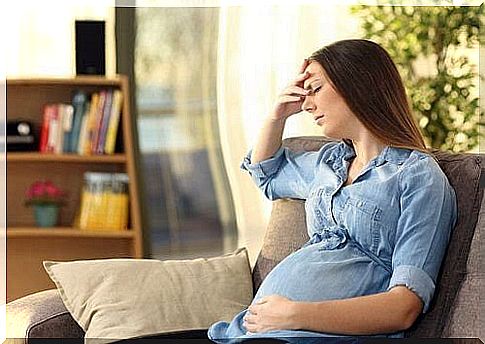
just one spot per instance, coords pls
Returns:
(445, 100)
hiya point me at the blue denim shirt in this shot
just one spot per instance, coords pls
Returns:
(390, 227)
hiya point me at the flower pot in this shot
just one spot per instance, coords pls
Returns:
(46, 215)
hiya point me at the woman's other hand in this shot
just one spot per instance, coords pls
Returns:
(290, 100)
(271, 313)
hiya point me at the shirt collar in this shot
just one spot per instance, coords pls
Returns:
(388, 154)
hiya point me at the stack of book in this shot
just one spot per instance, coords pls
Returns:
(104, 202)
(87, 126)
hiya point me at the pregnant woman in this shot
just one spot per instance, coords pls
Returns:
(379, 209)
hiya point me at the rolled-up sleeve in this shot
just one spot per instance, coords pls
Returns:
(428, 214)
(266, 168)
(286, 174)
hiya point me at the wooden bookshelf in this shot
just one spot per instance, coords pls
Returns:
(27, 245)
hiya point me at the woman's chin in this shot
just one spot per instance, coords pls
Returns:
(330, 134)
(326, 132)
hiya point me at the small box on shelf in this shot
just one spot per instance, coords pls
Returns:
(20, 136)
(104, 202)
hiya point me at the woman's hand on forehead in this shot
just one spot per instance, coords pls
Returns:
(302, 75)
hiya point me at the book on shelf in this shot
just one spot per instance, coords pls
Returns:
(67, 111)
(85, 149)
(48, 111)
(83, 131)
(98, 118)
(103, 127)
(114, 120)
(80, 103)
(89, 125)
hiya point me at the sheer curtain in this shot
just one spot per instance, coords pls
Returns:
(188, 204)
(260, 50)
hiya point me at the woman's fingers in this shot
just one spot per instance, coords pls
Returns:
(290, 99)
(250, 319)
(251, 329)
(304, 65)
(300, 78)
(302, 73)
(295, 90)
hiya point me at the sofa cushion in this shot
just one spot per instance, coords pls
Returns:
(463, 172)
(467, 315)
(286, 232)
(114, 299)
(40, 315)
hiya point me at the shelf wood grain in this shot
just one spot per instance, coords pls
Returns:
(77, 81)
(68, 232)
(74, 158)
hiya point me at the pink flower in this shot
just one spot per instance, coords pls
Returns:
(36, 190)
(51, 190)
(44, 193)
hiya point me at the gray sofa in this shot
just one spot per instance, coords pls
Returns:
(457, 309)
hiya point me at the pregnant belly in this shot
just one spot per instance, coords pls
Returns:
(316, 274)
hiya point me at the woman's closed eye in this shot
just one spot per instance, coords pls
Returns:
(312, 91)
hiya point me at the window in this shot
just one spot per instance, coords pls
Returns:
(188, 206)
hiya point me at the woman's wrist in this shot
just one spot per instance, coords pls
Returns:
(276, 119)
(298, 314)
(304, 315)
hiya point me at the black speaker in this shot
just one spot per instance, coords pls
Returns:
(90, 47)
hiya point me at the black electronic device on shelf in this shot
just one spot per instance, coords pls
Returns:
(20, 136)
(90, 47)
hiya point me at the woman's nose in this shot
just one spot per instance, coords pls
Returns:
(308, 104)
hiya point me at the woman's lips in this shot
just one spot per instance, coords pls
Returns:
(317, 119)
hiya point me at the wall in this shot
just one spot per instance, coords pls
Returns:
(41, 36)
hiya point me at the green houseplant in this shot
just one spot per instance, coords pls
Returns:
(445, 98)
(46, 198)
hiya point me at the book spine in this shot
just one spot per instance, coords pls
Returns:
(91, 123)
(83, 131)
(79, 102)
(68, 112)
(114, 120)
(53, 128)
(59, 129)
(98, 121)
(104, 125)
(44, 131)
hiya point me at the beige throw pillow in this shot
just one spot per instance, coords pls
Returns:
(113, 299)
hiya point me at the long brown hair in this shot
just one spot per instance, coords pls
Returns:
(363, 73)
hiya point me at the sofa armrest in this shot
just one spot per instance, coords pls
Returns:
(40, 315)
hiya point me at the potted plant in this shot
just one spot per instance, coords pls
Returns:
(46, 198)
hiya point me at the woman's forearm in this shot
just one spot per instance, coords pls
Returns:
(269, 139)
(387, 312)
(289, 102)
